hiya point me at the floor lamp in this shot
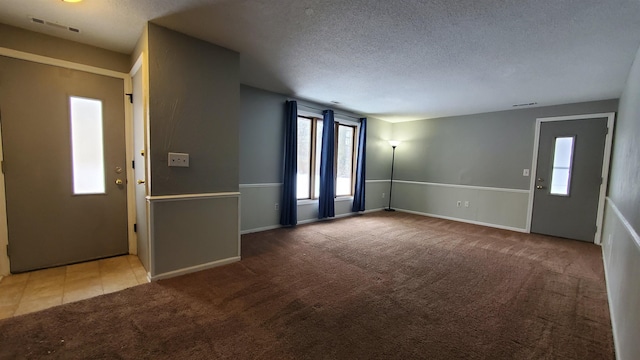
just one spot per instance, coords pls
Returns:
(393, 144)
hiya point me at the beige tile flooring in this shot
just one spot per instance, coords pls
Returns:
(38, 290)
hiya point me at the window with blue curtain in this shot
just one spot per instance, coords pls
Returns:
(331, 158)
(358, 193)
(289, 206)
(326, 201)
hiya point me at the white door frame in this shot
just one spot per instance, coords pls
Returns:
(605, 165)
(131, 208)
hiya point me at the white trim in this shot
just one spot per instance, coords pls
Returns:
(137, 66)
(128, 159)
(264, 228)
(260, 185)
(510, 228)
(5, 263)
(192, 196)
(309, 221)
(625, 222)
(192, 269)
(378, 181)
(61, 63)
(614, 325)
(605, 165)
(239, 226)
(473, 187)
(151, 234)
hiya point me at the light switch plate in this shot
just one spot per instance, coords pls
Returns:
(525, 172)
(179, 159)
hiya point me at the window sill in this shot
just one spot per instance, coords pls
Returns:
(315, 201)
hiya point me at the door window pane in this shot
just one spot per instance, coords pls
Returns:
(316, 190)
(87, 146)
(562, 163)
(304, 158)
(344, 168)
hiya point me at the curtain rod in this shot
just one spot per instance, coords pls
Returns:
(315, 108)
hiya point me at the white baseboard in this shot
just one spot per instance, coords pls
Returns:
(510, 228)
(264, 228)
(610, 302)
(192, 269)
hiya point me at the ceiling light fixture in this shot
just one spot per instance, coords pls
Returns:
(71, 1)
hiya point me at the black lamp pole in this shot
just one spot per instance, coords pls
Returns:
(393, 159)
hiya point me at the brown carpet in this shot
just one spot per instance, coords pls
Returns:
(378, 286)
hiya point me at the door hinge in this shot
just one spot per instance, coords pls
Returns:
(8, 251)
(135, 227)
(133, 164)
(130, 95)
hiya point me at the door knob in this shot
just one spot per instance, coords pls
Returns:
(539, 187)
(118, 181)
(140, 182)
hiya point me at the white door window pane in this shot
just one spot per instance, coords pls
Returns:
(87, 146)
(562, 162)
(316, 190)
(344, 166)
(304, 158)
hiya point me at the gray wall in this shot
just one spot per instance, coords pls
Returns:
(261, 152)
(194, 102)
(194, 97)
(193, 232)
(475, 159)
(261, 136)
(621, 246)
(488, 149)
(45, 45)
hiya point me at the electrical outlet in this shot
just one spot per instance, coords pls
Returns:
(466, 204)
(383, 195)
(179, 159)
(459, 203)
(276, 207)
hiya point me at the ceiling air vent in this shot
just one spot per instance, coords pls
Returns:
(525, 104)
(54, 25)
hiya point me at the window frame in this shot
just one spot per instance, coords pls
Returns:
(314, 155)
(354, 157)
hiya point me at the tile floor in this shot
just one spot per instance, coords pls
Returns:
(38, 290)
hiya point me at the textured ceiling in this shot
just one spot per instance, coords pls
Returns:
(395, 60)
